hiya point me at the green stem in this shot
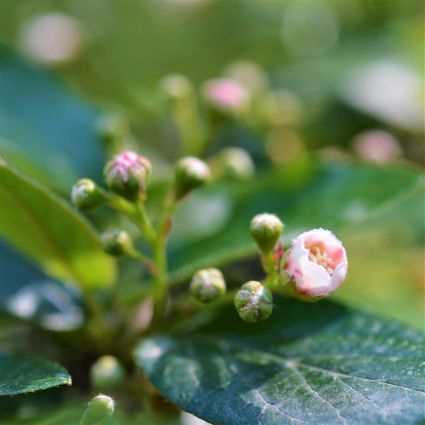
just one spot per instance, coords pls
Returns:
(270, 269)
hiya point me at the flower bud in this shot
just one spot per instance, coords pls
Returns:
(233, 163)
(266, 230)
(128, 174)
(176, 86)
(190, 173)
(85, 194)
(207, 285)
(315, 266)
(253, 302)
(107, 373)
(99, 408)
(117, 242)
(226, 95)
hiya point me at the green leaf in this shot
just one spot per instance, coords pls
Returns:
(308, 364)
(45, 228)
(20, 374)
(335, 196)
(45, 129)
(28, 293)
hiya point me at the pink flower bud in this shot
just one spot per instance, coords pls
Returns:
(128, 174)
(226, 94)
(317, 263)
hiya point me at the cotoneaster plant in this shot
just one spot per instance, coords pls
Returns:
(149, 323)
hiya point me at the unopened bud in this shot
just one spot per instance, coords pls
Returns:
(266, 230)
(176, 86)
(85, 194)
(253, 302)
(233, 163)
(128, 174)
(107, 373)
(117, 242)
(207, 285)
(100, 408)
(190, 173)
(226, 95)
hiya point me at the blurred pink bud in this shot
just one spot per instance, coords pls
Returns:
(52, 39)
(317, 263)
(128, 174)
(226, 94)
(377, 146)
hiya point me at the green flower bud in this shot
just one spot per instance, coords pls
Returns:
(233, 163)
(207, 285)
(85, 194)
(107, 373)
(117, 242)
(266, 230)
(100, 408)
(253, 302)
(128, 174)
(176, 86)
(190, 173)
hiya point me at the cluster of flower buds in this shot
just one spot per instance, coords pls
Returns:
(312, 268)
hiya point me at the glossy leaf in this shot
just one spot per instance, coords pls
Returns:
(45, 228)
(336, 196)
(44, 128)
(308, 364)
(21, 374)
(28, 293)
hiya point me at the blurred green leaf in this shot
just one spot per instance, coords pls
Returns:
(336, 196)
(21, 374)
(45, 128)
(309, 363)
(46, 229)
(30, 294)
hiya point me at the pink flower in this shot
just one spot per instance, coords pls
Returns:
(317, 263)
(226, 94)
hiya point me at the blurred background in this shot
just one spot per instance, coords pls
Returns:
(338, 80)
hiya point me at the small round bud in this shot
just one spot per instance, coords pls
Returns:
(117, 242)
(253, 302)
(266, 230)
(233, 163)
(85, 194)
(226, 95)
(176, 86)
(207, 285)
(190, 173)
(107, 373)
(99, 408)
(128, 174)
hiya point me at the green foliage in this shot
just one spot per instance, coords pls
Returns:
(21, 374)
(310, 363)
(49, 131)
(336, 196)
(45, 228)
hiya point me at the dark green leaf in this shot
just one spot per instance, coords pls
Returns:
(335, 197)
(308, 364)
(45, 129)
(28, 293)
(21, 374)
(46, 229)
